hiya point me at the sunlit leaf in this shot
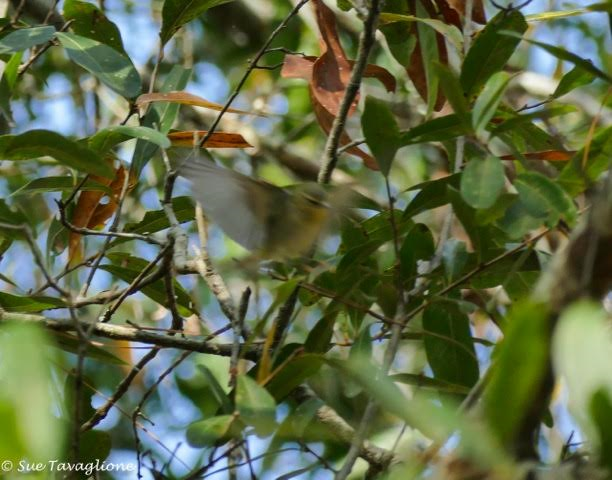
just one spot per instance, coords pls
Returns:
(511, 388)
(105, 139)
(206, 433)
(255, 405)
(107, 64)
(25, 38)
(488, 100)
(186, 98)
(482, 181)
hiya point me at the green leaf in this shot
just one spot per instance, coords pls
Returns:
(454, 258)
(449, 347)
(177, 13)
(487, 102)
(255, 405)
(511, 388)
(576, 77)
(107, 138)
(436, 421)
(581, 172)
(157, 220)
(25, 38)
(381, 132)
(16, 303)
(451, 32)
(26, 405)
(482, 181)
(398, 34)
(544, 198)
(94, 446)
(320, 336)
(563, 54)
(418, 245)
(421, 381)
(216, 389)
(294, 373)
(161, 116)
(89, 21)
(601, 414)
(108, 65)
(58, 184)
(453, 92)
(40, 143)
(206, 433)
(513, 121)
(517, 221)
(491, 50)
(436, 130)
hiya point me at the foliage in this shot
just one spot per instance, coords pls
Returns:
(437, 330)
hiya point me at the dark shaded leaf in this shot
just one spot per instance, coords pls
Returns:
(58, 184)
(16, 303)
(491, 50)
(176, 13)
(40, 143)
(381, 132)
(89, 21)
(450, 350)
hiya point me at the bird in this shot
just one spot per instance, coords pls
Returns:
(273, 223)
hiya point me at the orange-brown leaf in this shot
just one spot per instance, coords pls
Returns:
(216, 140)
(300, 66)
(416, 68)
(90, 213)
(478, 13)
(550, 155)
(186, 98)
(326, 121)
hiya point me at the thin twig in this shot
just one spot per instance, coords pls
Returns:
(121, 390)
(252, 64)
(366, 42)
(113, 228)
(23, 68)
(237, 324)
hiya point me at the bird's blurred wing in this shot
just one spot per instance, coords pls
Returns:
(226, 199)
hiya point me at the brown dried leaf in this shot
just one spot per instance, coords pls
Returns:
(300, 66)
(216, 140)
(186, 98)
(478, 13)
(550, 155)
(416, 68)
(90, 213)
